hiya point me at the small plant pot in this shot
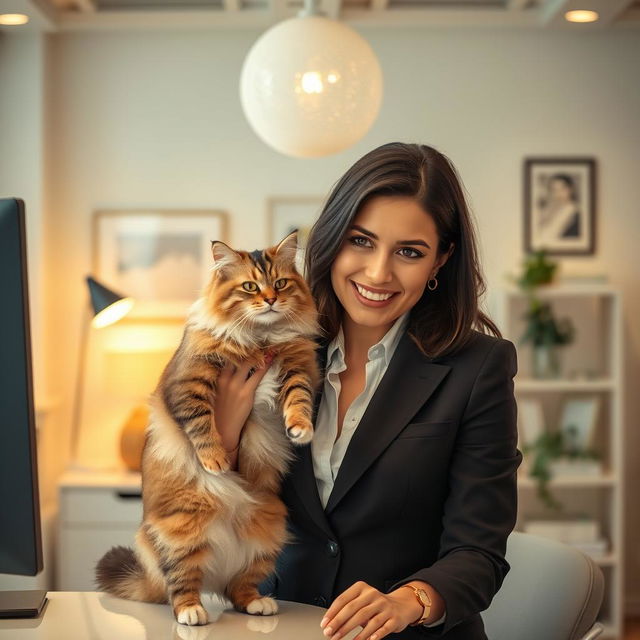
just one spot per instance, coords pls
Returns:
(546, 363)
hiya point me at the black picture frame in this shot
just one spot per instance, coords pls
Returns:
(560, 206)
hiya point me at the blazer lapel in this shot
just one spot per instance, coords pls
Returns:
(408, 383)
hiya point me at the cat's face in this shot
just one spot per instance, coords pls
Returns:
(261, 288)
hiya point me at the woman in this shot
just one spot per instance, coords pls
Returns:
(411, 477)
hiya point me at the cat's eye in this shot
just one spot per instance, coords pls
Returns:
(252, 287)
(280, 284)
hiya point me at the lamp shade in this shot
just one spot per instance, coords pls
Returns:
(107, 305)
(311, 86)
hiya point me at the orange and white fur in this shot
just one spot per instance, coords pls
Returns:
(206, 527)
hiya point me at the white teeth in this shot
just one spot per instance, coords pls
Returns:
(372, 296)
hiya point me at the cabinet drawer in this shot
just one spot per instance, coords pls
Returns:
(100, 505)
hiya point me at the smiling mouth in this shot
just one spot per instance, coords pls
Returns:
(374, 295)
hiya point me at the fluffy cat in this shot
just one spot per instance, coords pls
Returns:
(205, 527)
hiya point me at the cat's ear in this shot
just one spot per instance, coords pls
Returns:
(223, 256)
(288, 247)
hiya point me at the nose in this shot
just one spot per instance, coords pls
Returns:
(270, 300)
(378, 269)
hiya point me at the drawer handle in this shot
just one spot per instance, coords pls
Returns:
(129, 495)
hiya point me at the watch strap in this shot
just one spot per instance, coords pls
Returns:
(425, 602)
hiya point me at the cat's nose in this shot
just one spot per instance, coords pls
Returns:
(270, 300)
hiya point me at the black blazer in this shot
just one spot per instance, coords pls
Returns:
(426, 490)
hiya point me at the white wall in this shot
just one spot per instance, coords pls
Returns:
(154, 119)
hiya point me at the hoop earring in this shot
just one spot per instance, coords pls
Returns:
(434, 287)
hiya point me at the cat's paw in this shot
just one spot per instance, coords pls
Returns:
(300, 432)
(194, 614)
(214, 461)
(262, 607)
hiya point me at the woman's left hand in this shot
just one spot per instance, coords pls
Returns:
(378, 613)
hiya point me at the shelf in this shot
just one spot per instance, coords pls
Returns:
(608, 560)
(532, 384)
(604, 480)
(610, 631)
(567, 290)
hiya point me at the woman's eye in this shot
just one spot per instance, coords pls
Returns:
(280, 284)
(407, 252)
(250, 286)
(360, 241)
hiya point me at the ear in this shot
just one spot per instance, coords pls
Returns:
(442, 260)
(223, 256)
(288, 247)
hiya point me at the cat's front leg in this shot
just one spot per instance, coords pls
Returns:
(297, 405)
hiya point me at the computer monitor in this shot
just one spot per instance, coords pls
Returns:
(20, 539)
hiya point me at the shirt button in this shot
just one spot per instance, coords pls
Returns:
(320, 601)
(332, 548)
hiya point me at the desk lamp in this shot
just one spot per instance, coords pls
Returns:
(107, 307)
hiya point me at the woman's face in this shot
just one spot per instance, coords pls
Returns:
(386, 258)
(559, 190)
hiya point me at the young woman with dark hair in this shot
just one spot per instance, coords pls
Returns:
(400, 508)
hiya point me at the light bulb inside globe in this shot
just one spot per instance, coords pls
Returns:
(311, 86)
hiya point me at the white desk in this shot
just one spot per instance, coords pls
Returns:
(89, 615)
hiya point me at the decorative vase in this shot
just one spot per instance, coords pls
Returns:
(132, 438)
(546, 361)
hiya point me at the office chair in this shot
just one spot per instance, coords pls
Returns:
(552, 592)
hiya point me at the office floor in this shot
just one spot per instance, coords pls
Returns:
(632, 629)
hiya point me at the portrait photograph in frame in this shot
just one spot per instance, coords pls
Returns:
(288, 213)
(559, 205)
(161, 258)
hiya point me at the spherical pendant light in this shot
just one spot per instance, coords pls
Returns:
(311, 86)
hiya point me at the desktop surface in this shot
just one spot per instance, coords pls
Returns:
(88, 615)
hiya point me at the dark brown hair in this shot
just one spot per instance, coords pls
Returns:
(442, 320)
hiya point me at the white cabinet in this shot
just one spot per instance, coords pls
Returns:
(591, 368)
(97, 511)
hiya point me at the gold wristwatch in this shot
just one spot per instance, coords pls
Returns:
(425, 601)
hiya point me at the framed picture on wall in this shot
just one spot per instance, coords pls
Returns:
(559, 205)
(161, 258)
(288, 213)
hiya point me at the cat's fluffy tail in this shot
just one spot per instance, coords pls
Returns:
(120, 573)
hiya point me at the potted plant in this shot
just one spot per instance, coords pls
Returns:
(542, 329)
(546, 334)
(548, 447)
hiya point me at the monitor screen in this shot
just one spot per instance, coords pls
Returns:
(20, 541)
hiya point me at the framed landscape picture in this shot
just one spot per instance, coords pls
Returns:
(559, 205)
(161, 258)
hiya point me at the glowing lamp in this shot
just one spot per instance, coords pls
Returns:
(311, 86)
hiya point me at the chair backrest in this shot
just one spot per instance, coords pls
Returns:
(552, 591)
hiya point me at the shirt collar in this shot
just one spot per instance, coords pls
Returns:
(383, 349)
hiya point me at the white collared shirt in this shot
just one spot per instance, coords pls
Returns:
(328, 452)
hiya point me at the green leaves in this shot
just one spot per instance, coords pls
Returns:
(542, 329)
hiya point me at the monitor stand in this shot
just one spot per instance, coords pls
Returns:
(22, 604)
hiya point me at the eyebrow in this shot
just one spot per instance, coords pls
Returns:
(366, 232)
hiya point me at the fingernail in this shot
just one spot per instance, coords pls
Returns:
(323, 622)
(328, 631)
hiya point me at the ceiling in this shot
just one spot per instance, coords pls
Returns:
(79, 15)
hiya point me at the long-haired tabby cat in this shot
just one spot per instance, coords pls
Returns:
(205, 527)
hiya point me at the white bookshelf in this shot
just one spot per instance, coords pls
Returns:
(591, 366)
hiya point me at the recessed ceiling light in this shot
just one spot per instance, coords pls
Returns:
(581, 15)
(13, 18)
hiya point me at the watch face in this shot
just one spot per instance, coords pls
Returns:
(424, 597)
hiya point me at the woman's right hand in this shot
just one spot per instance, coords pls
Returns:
(235, 392)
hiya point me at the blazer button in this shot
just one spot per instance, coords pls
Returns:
(320, 601)
(332, 548)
